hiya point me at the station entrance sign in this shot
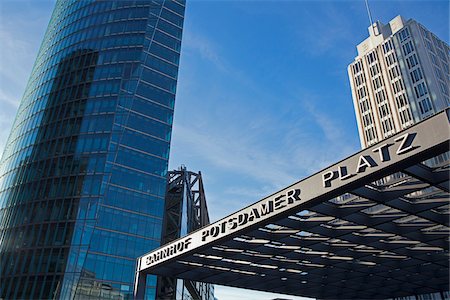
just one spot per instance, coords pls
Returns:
(281, 231)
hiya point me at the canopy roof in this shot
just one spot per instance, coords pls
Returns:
(374, 225)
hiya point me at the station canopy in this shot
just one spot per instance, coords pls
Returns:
(374, 225)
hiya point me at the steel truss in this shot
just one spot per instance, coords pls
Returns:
(185, 211)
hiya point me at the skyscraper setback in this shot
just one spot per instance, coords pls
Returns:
(83, 174)
(400, 76)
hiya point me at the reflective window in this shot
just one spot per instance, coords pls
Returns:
(83, 174)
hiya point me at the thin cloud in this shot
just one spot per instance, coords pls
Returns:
(194, 42)
(235, 153)
(325, 32)
(21, 35)
(249, 139)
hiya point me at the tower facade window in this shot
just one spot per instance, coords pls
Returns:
(83, 174)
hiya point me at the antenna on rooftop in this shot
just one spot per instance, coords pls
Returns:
(374, 27)
(368, 12)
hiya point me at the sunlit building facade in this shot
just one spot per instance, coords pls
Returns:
(83, 174)
(400, 76)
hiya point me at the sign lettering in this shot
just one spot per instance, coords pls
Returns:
(252, 214)
(404, 144)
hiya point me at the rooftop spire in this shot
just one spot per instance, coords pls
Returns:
(369, 14)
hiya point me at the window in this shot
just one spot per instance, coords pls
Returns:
(377, 83)
(380, 96)
(439, 74)
(159, 80)
(165, 53)
(171, 17)
(367, 120)
(364, 106)
(167, 40)
(370, 135)
(401, 100)
(169, 28)
(397, 86)
(362, 92)
(444, 88)
(436, 42)
(394, 72)
(357, 67)
(175, 7)
(404, 34)
(428, 45)
(446, 69)
(390, 59)
(434, 59)
(155, 94)
(408, 48)
(420, 89)
(425, 105)
(391, 75)
(374, 70)
(405, 116)
(416, 75)
(371, 57)
(359, 79)
(387, 46)
(441, 55)
(384, 110)
(412, 61)
(387, 125)
(425, 32)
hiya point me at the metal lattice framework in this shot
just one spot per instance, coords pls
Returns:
(375, 225)
(185, 211)
(184, 185)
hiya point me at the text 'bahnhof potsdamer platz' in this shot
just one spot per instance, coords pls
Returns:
(374, 225)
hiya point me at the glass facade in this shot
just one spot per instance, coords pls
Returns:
(83, 174)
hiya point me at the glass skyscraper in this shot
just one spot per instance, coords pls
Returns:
(83, 174)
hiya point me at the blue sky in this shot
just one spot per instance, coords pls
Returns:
(263, 96)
